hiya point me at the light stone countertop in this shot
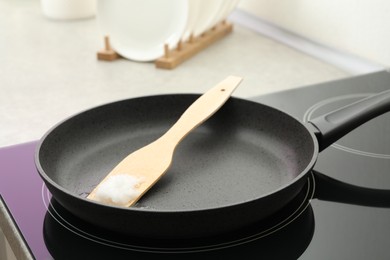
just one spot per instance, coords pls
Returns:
(49, 70)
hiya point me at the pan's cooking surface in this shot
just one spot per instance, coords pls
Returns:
(243, 152)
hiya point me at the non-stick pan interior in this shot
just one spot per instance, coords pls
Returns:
(243, 152)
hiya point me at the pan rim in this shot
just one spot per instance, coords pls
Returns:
(296, 179)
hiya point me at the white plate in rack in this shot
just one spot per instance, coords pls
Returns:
(138, 29)
(208, 9)
(218, 16)
(193, 14)
(233, 4)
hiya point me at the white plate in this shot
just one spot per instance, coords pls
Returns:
(220, 13)
(208, 9)
(224, 11)
(138, 29)
(193, 14)
(229, 9)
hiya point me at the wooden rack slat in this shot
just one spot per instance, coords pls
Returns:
(107, 53)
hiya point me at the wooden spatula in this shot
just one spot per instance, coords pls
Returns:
(140, 170)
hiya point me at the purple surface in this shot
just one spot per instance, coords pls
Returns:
(21, 189)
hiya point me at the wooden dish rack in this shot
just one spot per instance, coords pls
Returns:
(183, 51)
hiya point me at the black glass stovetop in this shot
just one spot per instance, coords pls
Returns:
(343, 212)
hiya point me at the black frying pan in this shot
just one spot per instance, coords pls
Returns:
(241, 166)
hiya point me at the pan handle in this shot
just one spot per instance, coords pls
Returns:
(332, 126)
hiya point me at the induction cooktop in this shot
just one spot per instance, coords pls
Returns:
(343, 212)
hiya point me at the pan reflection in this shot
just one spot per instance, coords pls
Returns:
(284, 236)
(329, 189)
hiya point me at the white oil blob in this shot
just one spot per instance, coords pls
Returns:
(118, 189)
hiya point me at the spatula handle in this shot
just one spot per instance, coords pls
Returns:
(202, 109)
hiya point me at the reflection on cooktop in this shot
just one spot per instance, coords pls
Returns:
(291, 229)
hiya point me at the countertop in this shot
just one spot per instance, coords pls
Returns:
(49, 70)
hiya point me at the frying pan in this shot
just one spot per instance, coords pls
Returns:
(242, 165)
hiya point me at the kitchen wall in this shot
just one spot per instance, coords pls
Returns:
(357, 27)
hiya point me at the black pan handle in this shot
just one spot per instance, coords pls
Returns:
(334, 125)
(329, 189)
